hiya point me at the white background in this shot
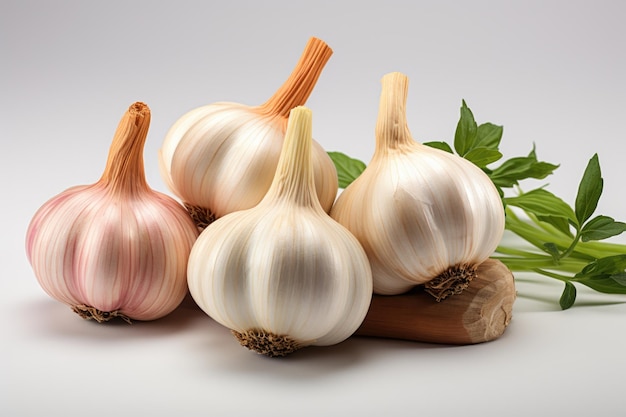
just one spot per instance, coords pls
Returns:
(551, 72)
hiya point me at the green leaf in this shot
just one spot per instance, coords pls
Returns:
(560, 223)
(601, 227)
(512, 171)
(606, 275)
(542, 203)
(520, 168)
(439, 145)
(606, 283)
(489, 136)
(466, 131)
(552, 250)
(608, 265)
(348, 169)
(568, 297)
(589, 190)
(482, 157)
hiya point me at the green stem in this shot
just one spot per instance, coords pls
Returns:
(527, 232)
(553, 275)
(537, 233)
(603, 248)
(507, 250)
(532, 261)
(575, 254)
(571, 247)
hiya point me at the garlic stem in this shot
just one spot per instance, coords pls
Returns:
(392, 130)
(124, 169)
(298, 87)
(294, 179)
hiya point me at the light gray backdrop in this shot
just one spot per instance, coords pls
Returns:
(552, 72)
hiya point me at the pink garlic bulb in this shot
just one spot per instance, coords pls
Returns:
(115, 248)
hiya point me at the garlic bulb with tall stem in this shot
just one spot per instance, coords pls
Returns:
(283, 274)
(423, 215)
(115, 248)
(221, 157)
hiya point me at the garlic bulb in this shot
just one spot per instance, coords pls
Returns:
(114, 248)
(424, 216)
(283, 275)
(221, 157)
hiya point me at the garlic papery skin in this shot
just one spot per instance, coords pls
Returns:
(283, 275)
(115, 248)
(221, 157)
(424, 216)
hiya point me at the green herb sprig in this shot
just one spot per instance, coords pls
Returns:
(553, 239)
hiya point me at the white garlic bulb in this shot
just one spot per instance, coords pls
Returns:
(221, 157)
(423, 215)
(115, 248)
(283, 274)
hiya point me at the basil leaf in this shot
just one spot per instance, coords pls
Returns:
(568, 297)
(516, 169)
(607, 275)
(560, 223)
(601, 227)
(489, 136)
(482, 156)
(589, 190)
(608, 265)
(439, 145)
(348, 169)
(466, 131)
(542, 203)
(553, 251)
(606, 283)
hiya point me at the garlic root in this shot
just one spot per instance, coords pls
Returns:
(450, 282)
(480, 313)
(100, 316)
(266, 343)
(201, 216)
